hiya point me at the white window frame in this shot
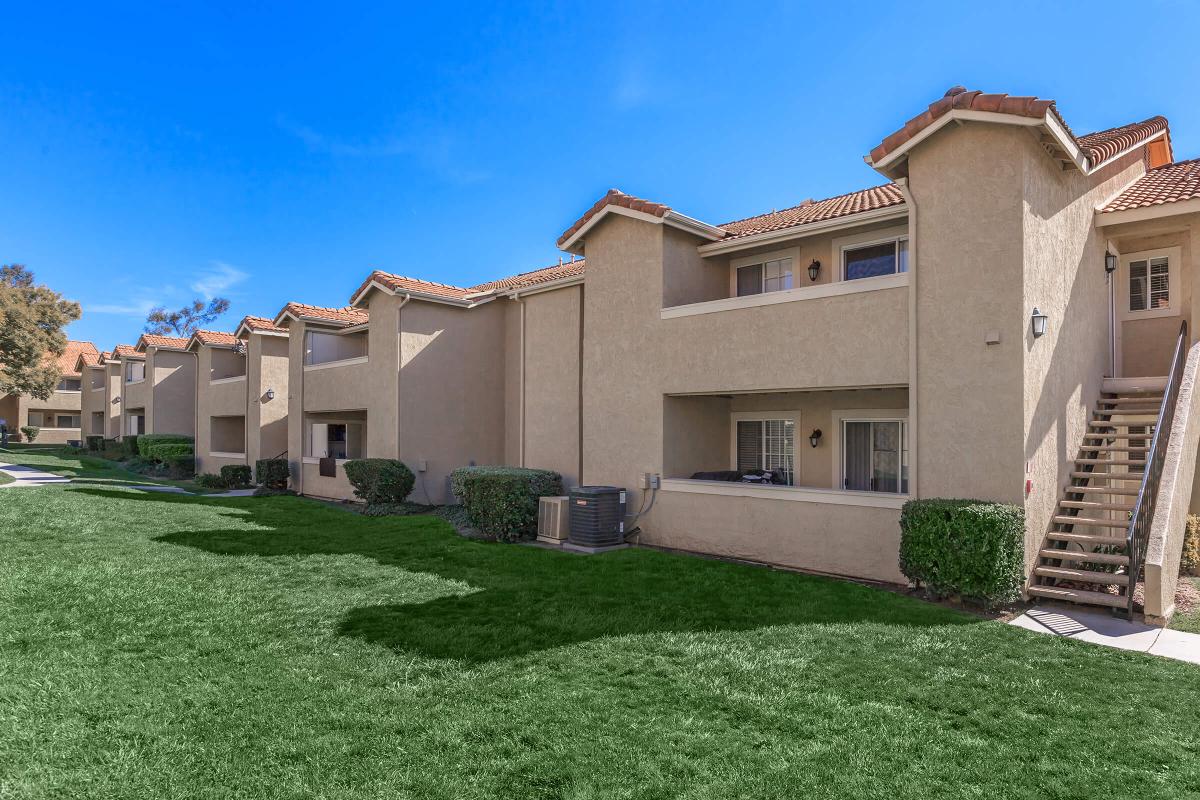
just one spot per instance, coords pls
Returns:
(841, 417)
(749, 261)
(1174, 256)
(842, 244)
(764, 416)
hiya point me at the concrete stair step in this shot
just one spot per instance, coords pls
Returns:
(1099, 506)
(1115, 490)
(1089, 539)
(1079, 596)
(1091, 523)
(1080, 555)
(1085, 575)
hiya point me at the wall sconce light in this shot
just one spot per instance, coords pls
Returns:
(814, 438)
(814, 269)
(1038, 322)
(1110, 262)
(270, 395)
(240, 348)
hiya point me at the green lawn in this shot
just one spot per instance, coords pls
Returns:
(61, 460)
(157, 646)
(1188, 620)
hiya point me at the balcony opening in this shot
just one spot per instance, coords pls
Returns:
(97, 380)
(135, 371)
(135, 421)
(851, 440)
(97, 423)
(53, 419)
(226, 365)
(331, 348)
(340, 435)
(69, 385)
(227, 435)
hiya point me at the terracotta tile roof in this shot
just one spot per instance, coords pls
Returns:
(166, 342)
(1170, 183)
(615, 197)
(1097, 147)
(260, 324)
(400, 283)
(214, 338)
(1103, 145)
(71, 355)
(126, 351)
(342, 316)
(526, 280)
(817, 211)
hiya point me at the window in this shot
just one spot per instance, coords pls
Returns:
(135, 424)
(37, 419)
(339, 440)
(66, 421)
(767, 444)
(326, 348)
(1150, 285)
(875, 259)
(875, 455)
(766, 276)
(69, 385)
(135, 371)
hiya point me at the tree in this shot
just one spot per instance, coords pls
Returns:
(186, 320)
(32, 319)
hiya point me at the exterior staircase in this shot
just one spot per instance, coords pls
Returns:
(1085, 558)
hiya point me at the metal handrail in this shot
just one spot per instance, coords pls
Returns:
(1138, 535)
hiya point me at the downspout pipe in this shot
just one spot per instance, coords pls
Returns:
(914, 273)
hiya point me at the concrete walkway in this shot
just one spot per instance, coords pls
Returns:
(152, 487)
(1110, 631)
(28, 476)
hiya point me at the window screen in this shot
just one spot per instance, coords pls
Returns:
(1149, 284)
(767, 444)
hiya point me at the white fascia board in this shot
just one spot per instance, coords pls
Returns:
(1160, 211)
(955, 115)
(470, 302)
(802, 231)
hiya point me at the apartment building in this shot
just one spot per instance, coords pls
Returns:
(241, 394)
(58, 416)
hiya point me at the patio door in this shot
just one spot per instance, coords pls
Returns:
(874, 456)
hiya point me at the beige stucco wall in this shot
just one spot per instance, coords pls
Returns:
(220, 399)
(266, 420)
(452, 388)
(849, 540)
(171, 394)
(1064, 277)
(93, 401)
(542, 381)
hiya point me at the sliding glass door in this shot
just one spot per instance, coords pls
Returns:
(875, 456)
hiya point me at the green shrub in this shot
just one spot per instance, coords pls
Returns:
(967, 547)
(503, 501)
(210, 481)
(146, 441)
(379, 480)
(30, 431)
(161, 451)
(393, 509)
(273, 473)
(180, 467)
(130, 445)
(236, 476)
(94, 443)
(1189, 563)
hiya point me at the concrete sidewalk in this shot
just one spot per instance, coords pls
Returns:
(28, 476)
(1110, 631)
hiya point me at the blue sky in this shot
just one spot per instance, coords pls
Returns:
(280, 152)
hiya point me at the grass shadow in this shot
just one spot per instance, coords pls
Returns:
(530, 599)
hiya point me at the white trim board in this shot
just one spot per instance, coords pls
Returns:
(835, 289)
(800, 494)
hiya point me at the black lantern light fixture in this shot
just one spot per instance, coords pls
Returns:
(1038, 322)
(814, 438)
(814, 269)
(1110, 262)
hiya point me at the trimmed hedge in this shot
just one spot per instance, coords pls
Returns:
(148, 440)
(503, 501)
(164, 450)
(180, 466)
(30, 432)
(1189, 562)
(210, 481)
(971, 548)
(236, 476)
(94, 443)
(379, 480)
(272, 473)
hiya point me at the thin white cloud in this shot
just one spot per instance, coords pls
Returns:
(320, 143)
(136, 308)
(217, 280)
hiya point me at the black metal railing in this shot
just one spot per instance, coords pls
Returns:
(1140, 520)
